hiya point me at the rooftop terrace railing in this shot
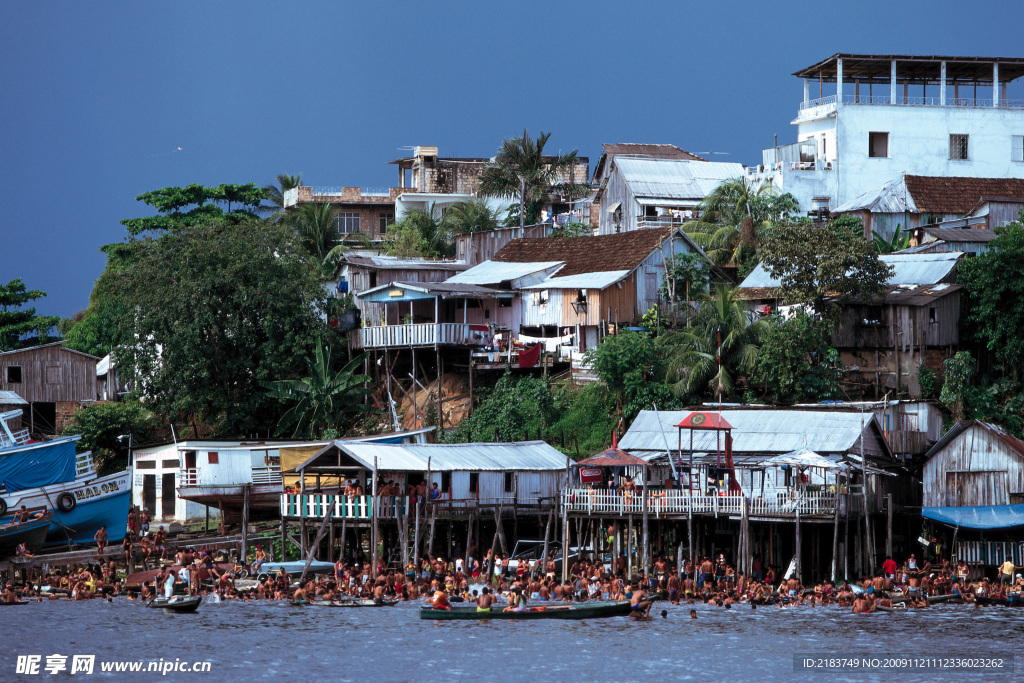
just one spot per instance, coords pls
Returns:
(913, 102)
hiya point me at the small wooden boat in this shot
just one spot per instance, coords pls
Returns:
(180, 603)
(936, 599)
(368, 602)
(1002, 602)
(590, 610)
(32, 533)
(12, 604)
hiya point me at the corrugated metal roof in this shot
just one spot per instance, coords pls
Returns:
(417, 291)
(11, 398)
(396, 263)
(908, 269)
(493, 272)
(598, 280)
(754, 431)
(522, 456)
(675, 178)
(890, 197)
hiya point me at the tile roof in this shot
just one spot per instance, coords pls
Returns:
(959, 195)
(621, 251)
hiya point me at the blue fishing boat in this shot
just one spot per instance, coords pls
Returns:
(51, 475)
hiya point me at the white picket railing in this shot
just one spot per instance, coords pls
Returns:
(598, 501)
(420, 334)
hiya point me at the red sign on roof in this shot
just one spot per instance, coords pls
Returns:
(704, 421)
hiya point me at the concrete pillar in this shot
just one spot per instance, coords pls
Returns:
(807, 90)
(995, 84)
(892, 82)
(839, 80)
(942, 84)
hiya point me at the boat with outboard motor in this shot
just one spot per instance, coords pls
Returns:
(51, 475)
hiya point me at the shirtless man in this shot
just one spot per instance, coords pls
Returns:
(793, 588)
(863, 603)
(673, 589)
(484, 602)
(639, 603)
(101, 540)
(300, 593)
(9, 596)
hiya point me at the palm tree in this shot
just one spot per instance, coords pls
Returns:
(324, 400)
(722, 325)
(436, 236)
(732, 214)
(317, 225)
(521, 171)
(470, 215)
(274, 194)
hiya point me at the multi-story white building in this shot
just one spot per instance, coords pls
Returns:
(898, 114)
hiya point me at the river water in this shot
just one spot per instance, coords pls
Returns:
(264, 641)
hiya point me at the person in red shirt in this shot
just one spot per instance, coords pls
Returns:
(889, 567)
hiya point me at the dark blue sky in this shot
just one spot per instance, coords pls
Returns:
(96, 97)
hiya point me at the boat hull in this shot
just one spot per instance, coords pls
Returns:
(177, 604)
(101, 501)
(555, 611)
(32, 533)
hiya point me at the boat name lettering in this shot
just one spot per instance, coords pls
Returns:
(93, 491)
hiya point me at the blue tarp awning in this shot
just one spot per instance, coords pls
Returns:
(38, 465)
(980, 517)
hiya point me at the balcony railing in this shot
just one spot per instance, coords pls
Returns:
(912, 101)
(260, 475)
(992, 553)
(84, 466)
(677, 501)
(424, 334)
(390, 507)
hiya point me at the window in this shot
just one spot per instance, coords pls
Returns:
(958, 147)
(169, 464)
(474, 483)
(878, 145)
(384, 221)
(213, 458)
(510, 482)
(52, 374)
(373, 280)
(348, 222)
(14, 374)
(1017, 148)
(446, 482)
(933, 314)
(147, 465)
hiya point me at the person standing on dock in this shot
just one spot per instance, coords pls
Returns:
(101, 541)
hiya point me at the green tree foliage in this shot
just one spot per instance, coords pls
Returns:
(900, 240)
(959, 371)
(274, 195)
(847, 227)
(20, 327)
(574, 230)
(632, 366)
(796, 363)
(929, 383)
(211, 311)
(516, 407)
(101, 424)
(585, 417)
(815, 266)
(994, 284)
(241, 204)
(733, 215)
(686, 276)
(521, 171)
(692, 353)
(470, 215)
(421, 233)
(325, 400)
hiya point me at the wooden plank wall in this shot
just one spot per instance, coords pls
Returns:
(995, 471)
(51, 374)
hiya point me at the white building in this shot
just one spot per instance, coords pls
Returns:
(893, 114)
